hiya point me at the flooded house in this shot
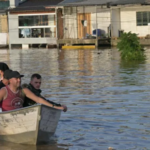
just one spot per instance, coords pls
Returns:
(3, 24)
(131, 16)
(85, 22)
(92, 21)
(34, 23)
(73, 22)
(5, 5)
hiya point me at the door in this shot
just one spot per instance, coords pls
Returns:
(84, 24)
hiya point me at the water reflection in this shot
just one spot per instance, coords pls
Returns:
(108, 99)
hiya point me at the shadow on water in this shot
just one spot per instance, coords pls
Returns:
(131, 65)
(12, 146)
(131, 72)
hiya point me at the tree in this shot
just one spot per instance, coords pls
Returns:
(130, 47)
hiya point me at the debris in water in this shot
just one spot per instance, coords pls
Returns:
(111, 148)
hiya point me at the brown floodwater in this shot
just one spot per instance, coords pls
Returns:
(108, 99)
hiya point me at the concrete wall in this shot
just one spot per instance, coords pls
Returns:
(14, 34)
(115, 22)
(128, 20)
(144, 42)
(71, 19)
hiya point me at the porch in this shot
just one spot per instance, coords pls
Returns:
(96, 42)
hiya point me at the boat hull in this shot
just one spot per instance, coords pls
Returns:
(29, 125)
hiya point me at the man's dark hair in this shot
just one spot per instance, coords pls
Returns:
(36, 75)
(7, 74)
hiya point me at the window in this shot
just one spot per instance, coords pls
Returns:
(142, 18)
(37, 32)
(33, 20)
(37, 26)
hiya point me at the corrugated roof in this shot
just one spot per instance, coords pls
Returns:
(40, 3)
(102, 2)
(30, 5)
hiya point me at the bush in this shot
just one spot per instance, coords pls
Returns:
(130, 47)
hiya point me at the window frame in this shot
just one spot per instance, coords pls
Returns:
(140, 20)
(40, 26)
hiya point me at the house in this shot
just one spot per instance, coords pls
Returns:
(3, 23)
(34, 22)
(85, 21)
(4, 6)
(107, 17)
(131, 16)
(55, 22)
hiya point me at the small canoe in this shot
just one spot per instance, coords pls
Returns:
(29, 125)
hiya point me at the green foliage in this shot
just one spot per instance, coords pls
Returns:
(130, 47)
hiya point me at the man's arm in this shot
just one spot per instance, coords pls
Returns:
(40, 100)
(53, 103)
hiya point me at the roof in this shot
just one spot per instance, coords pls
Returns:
(40, 3)
(102, 2)
(33, 5)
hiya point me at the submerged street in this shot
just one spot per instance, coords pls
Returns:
(108, 100)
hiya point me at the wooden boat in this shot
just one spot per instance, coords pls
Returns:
(29, 125)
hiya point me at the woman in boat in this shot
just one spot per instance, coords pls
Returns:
(5, 80)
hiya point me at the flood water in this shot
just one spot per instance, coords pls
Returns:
(108, 100)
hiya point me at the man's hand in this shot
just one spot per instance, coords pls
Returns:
(65, 108)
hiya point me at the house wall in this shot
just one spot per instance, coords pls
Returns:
(103, 20)
(4, 37)
(128, 20)
(3, 30)
(14, 3)
(70, 22)
(71, 19)
(14, 34)
(3, 24)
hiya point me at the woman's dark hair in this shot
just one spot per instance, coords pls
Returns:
(3, 66)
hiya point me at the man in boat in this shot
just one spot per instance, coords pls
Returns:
(3, 67)
(34, 86)
(12, 96)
